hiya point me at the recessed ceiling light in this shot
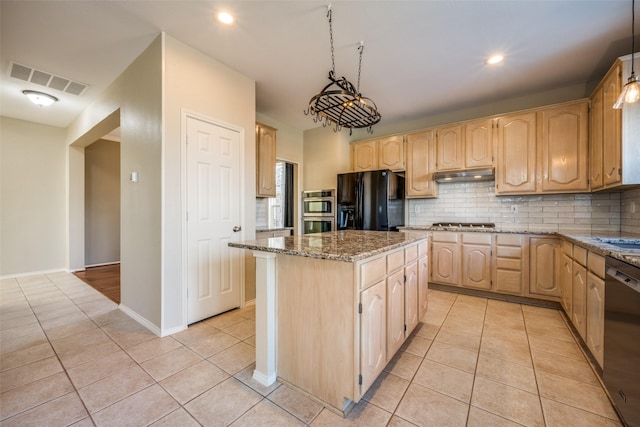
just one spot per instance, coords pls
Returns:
(225, 18)
(41, 99)
(495, 59)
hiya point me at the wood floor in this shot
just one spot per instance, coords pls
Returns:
(105, 279)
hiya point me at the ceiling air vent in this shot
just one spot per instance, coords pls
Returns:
(42, 78)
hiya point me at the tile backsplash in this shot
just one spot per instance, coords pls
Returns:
(262, 214)
(477, 202)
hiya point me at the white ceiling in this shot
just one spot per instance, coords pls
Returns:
(420, 57)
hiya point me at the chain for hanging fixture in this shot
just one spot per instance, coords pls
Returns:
(340, 103)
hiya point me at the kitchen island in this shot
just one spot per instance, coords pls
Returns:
(333, 308)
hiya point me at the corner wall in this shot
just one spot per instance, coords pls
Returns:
(326, 154)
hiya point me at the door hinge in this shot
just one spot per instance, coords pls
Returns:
(360, 308)
(405, 328)
(360, 379)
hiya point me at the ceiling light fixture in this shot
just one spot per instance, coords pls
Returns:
(631, 91)
(225, 18)
(495, 59)
(340, 102)
(40, 98)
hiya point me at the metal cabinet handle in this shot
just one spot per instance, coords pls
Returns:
(236, 228)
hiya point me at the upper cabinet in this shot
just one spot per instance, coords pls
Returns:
(563, 147)
(465, 146)
(265, 161)
(516, 163)
(421, 164)
(544, 151)
(375, 154)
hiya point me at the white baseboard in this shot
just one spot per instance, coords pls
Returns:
(102, 264)
(166, 332)
(144, 322)
(32, 273)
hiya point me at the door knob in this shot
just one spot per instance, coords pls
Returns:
(236, 228)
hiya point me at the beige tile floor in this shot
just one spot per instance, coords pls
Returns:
(68, 356)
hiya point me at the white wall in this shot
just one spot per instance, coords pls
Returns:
(32, 197)
(134, 102)
(326, 154)
(196, 83)
(102, 202)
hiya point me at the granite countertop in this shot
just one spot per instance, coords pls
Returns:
(346, 245)
(268, 230)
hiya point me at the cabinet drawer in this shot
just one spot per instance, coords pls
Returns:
(580, 255)
(423, 248)
(504, 239)
(509, 264)
(509, 252)
(372, 272)
(395, 261)
(411, 253)
(567, 248)
(476, 238)
(445, 237)
(595, 263)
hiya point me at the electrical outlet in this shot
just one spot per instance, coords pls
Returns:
(515, 209)
(416, 209)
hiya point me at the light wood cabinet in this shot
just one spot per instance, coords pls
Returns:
(265, 161)
(465, 146)
(544, 267)
(449, 148)
(445, 258)
(509, 274)
(563, 147)
(476, 260)
(478, 145)
(516, 161)
(395, 312)
(579, 298)
(375, 154)
(411, 297)
(420, 164)
(595, 317)
(373, 333)
(566, 277)
(605, 136)
(423, 279)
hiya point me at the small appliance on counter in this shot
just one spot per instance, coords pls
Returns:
(371, 200)
(318, 207)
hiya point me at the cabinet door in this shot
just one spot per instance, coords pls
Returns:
(266, 161)
(595, 316)
(478, 144)
(595, 140)
(564, 148)
(395, 312)
(566, 280)
(509, 273)
(611, 128)
(579, 295)
(373, 333)
(476, 266)
(544, 267)
(411, 297)
(449, 148)
(444, 263)
(421, 162)
(391, 153)
(423, 286)
(364, 156)
(516, 162)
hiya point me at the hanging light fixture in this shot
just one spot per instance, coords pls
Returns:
(340, 103)
(631, 91)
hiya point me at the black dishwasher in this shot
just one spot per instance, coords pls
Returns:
(621, 371)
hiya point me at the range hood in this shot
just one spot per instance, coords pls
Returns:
(465, 176)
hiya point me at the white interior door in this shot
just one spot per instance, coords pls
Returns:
(213, 219)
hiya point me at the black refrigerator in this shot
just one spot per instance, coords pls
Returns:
(372, 200)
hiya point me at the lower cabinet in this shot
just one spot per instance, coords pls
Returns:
(595, 317)
(395, 312)
(476, 260)
(423, 279)
(411, 296)
(566, 276)
(579, 299)
(445, 258)
(544, 267)
(509, 272)
(373, 324)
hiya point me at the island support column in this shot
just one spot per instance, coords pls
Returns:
(265, 372)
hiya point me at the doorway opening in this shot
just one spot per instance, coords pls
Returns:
(281, 212)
